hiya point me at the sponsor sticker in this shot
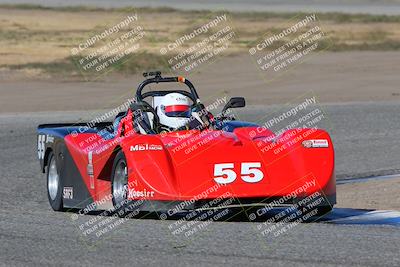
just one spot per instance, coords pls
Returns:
(145, 147)
(316, 143)
(41, 144)
(68, 193)
(90, 169)
(132, 193)
(49, 139)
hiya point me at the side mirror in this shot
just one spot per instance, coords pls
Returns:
(234, 102)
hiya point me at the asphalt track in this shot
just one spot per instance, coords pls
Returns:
(366, 140)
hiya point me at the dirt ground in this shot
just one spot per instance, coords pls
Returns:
(382, 195)
(41, 36)
(332, 77)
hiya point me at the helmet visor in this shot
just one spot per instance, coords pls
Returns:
(181, 111)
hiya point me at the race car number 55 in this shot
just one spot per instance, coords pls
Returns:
(250, 172)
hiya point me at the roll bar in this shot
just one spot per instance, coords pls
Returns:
(158, 79)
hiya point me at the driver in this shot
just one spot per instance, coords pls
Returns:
(174, 111)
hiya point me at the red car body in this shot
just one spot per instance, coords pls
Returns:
(247, 162)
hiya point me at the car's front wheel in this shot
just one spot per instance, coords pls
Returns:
(323, 210)
(54, 184)
(119, 181)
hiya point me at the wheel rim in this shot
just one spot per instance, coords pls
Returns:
(120, 182)
(53, 180)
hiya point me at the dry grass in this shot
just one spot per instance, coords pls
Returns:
(41, 38)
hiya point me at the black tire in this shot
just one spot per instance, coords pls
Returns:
(54, 185)
(324, 210)
(119, 159)
(125, 207)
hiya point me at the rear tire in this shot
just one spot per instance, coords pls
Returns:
(54, 184)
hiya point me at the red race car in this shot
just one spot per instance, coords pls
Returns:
(168, 154)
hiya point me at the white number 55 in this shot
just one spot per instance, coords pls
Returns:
(250, 172)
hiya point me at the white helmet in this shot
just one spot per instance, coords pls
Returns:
(174, 110)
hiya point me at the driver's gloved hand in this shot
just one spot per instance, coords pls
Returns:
(195, 124)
